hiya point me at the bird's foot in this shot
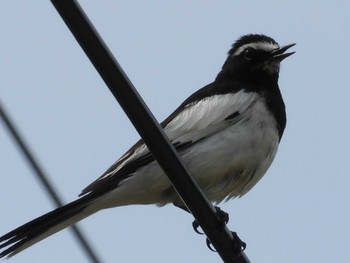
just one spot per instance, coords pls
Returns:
(238, 244)
(223, 218)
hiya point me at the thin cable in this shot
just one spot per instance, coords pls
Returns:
(39, 172)
(148, 128)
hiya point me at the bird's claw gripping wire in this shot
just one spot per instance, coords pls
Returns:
(238, 244)
(223, 218)
(195, 226)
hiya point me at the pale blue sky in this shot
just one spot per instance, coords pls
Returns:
(299, 212)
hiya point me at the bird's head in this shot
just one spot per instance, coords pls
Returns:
(255, 58)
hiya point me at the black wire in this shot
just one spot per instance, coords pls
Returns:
(39, 172)
(148, 128)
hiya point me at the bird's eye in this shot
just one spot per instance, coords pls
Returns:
(248, 53)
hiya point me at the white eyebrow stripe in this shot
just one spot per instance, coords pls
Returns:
(266, 46)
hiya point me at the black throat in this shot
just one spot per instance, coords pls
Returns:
(275, 104)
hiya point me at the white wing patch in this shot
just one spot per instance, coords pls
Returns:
(206, 116)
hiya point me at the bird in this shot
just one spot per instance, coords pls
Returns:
(227, 134)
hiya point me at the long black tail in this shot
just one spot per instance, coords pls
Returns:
(45, 225)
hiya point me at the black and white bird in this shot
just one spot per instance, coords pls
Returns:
(227, 134)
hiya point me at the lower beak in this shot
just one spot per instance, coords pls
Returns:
(279, 53)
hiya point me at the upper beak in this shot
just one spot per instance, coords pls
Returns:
(279, 52)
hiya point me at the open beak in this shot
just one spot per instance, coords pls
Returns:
(279, 52)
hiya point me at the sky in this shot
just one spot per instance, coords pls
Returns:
(299, 211)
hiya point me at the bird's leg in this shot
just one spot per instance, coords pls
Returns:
(223, 219)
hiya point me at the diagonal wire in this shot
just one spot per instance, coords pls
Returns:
(38, 171)
(147, 126)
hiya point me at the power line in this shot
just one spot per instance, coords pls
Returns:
(43, 178)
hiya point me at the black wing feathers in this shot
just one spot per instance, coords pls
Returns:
(111, 182)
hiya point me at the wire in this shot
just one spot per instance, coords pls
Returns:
(43, 178)
(148, 128)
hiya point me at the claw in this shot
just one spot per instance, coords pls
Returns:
(223, 218)
(239, 245)
(195, 226)
(209, 245)
(222, 215)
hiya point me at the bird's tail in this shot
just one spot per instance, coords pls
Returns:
(45, 226)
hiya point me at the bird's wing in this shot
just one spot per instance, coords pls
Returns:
(195, 120)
